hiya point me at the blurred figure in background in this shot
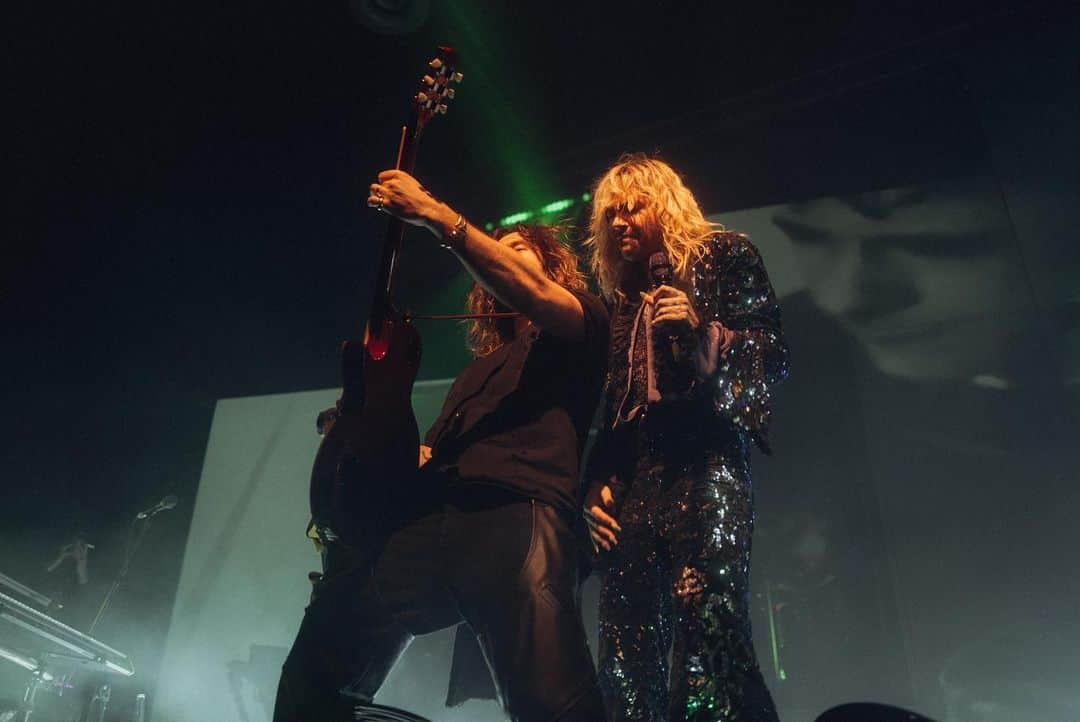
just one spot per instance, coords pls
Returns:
(69, 576)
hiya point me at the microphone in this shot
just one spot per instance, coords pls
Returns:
(660, 271)
(661, 274)
(672, 371)
(164, 505)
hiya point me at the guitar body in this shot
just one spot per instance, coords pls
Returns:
(369, 452)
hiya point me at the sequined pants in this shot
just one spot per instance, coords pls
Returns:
(679, 579)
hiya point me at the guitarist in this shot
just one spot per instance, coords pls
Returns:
(489, 534)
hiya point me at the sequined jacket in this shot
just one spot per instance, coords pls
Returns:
(741, 352)
(736, 355)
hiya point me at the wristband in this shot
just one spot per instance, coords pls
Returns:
(452, 238)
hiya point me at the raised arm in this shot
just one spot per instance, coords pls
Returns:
(502, 268)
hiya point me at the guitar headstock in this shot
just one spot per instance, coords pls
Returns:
(435, 92)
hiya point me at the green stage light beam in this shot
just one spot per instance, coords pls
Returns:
(494, 76)
(541, 215)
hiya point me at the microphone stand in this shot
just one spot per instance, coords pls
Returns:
(97, 706)
(131, 546)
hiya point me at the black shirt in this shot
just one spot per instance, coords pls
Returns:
(518, 418)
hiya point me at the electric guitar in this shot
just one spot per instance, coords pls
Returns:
(369, 447)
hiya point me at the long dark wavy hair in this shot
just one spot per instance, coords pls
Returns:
(560, 264)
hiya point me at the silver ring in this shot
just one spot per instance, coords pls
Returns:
(380, 199)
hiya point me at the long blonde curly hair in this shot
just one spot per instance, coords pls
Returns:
(683, 228)
(560, 264)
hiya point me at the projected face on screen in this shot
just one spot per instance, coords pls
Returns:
(920, 276)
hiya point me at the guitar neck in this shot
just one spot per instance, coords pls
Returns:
(431, 100)
(395, 234)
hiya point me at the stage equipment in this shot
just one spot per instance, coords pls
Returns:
(52, 652)
(136, 533)
(870, 712)
(169, 502)
(36, 597)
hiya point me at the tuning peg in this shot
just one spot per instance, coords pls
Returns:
(457, 77)
(435, 64)
(441, 108)
(428, 81)
(450, 93)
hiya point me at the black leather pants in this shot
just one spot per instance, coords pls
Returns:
(504, 565)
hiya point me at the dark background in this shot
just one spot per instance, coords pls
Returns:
(185, 217)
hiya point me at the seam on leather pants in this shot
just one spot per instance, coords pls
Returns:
(532, 541)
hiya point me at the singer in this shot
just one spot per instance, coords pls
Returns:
(696, 345)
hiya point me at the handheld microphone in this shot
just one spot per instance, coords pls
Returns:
(661, 274)
(673, 373)
(660, 270)
(164, 505)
